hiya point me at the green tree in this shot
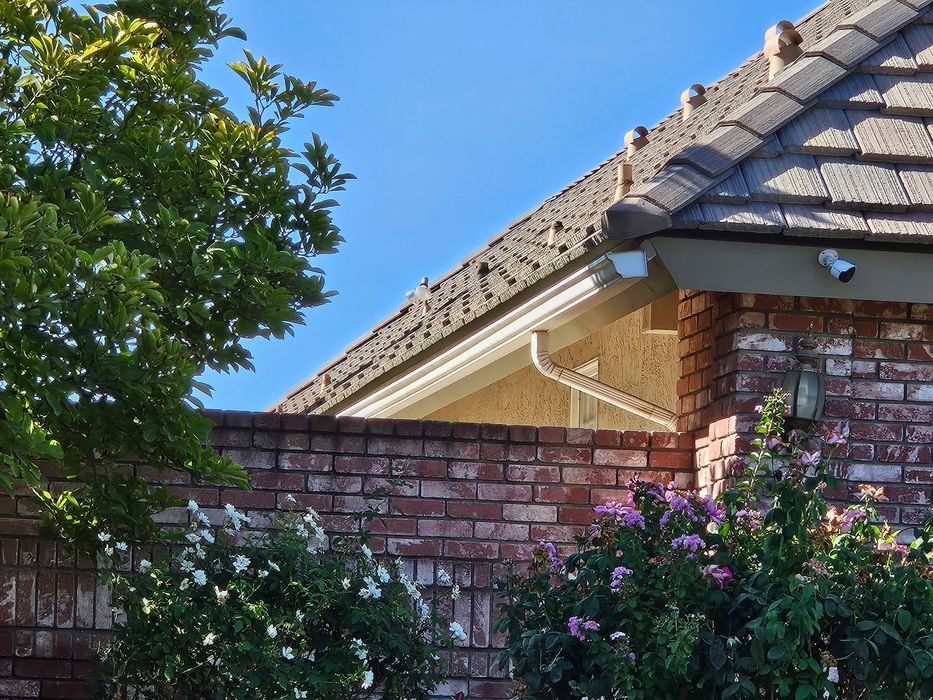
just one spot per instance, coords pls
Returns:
(146, 231)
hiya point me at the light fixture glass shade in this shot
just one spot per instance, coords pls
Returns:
(806, 393)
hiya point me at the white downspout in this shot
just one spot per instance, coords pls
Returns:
(603, 392)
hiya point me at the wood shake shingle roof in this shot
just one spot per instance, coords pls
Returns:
(851, 163)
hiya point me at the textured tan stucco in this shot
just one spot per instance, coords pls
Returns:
(640, 363)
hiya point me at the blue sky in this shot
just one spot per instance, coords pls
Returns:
(459, 115)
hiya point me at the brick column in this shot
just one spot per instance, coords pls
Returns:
(878, 362)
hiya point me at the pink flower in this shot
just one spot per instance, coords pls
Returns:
(626, 516)
(759, 408)
(719, 576)
(551, 550)
(578, 625)
(691, 543)
(809, 459)
(852, 516)
(773, 443)
(616, 636)
(619, 573)
(715, 511)
(752, 518)
(834, 438)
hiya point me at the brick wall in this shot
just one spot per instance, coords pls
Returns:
(878, 358)
(479, 494)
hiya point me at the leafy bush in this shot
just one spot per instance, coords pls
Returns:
(272, 615)
(146, 232)
(766, 593)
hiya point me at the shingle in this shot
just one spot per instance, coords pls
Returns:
(894, 58)
(919, 38)
(752, 216)
(803, 219)
(732, 190)
(690, 216)
(771, 149)
(855, 91)
(880, 18)
(790, 178)
(676, 187)
(719, 150)
(845, 46)
(890, 138)
(820, 131)
(860, 185)
(765, 112)
(918, 181)
(915, 227)
(806, 78)
(907, 95)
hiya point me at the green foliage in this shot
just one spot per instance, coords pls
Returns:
(145, 232)
(785, 597)
(272, 616)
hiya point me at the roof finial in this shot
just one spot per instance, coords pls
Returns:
(624, 180)
(325, 383)
(556, 228)
(689, 101)
(635, 139)
(782, 46)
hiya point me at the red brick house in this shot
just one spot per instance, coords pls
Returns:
(683, 270)
(673, 283)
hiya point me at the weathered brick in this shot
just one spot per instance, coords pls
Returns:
(416, 506)
(305, 461)
(561, 494)
(912, 454)
(448, 489)
(478, 510)
(278, 480)
(471, 549)
(475, 470)
(501, 531)
(413, 547)
(527, 472)
(589, 475)
(565, 455)
(503, 492)
(671, 460)
(445, 528)
(361, 465)
(406, 447)
(576, 515)
(524, 512)
(620, 458)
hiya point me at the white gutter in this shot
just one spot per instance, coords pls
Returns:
(627, 402)
(559, 304)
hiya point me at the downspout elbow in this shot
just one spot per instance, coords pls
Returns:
(541, 358)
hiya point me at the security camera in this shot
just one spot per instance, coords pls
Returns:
(842, 270)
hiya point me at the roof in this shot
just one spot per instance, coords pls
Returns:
(838, 145)
(809, 166)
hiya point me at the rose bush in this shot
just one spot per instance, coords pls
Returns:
(278, 614)
(766, 592)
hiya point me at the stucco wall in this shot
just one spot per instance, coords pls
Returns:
(644, 364)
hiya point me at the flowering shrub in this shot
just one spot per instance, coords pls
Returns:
(766, 592)
(272, 615)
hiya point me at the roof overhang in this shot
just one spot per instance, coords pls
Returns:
(790, 268)
(575, 305)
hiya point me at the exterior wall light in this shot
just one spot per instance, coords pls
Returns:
(805, 385)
